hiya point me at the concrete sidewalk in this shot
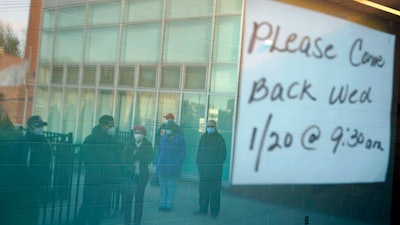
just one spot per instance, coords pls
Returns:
(235, 210)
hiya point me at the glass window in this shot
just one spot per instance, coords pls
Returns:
(89, 75)
(86, 114)
(189, 8)
(141, 43)
(46, 46)
(68, 46)
(48, 19)
(224, 78)
(57, 75)
(229, 6)
(41, 98)
(227, 39)
(187, 41)
(102, 45)
(70, 108)
(147, 77)
(105, 101)
(144, 112)
(192, 127)
(220, 109)
(195, 77)
(104, 13)
(167, 103)
(139, 10)
(55, 110)
(123, 110)
(72, 75)
(126, 75)
(71, 16)
(43, 74)
(170, 77)
(106, 75)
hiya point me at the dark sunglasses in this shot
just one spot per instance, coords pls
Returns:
(210, 126)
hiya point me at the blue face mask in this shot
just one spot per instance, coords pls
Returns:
(210, 130)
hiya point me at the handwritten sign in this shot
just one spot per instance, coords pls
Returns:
(315, 99)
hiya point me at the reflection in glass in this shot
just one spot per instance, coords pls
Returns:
(40, 105)
(104, 13)
(72, 75)
(141, 10)
(89, 75)
(126, 75)
(105, 100)
(144, 112)
(43, 74)
(167, 103)
(106, 75)
(192, 127)
(224, 78)
(141, 43)
(226, 40)
(123, 110)
(70, 108)
(86, 114)
(46, 46)
(187, 41)
(55, 109)
(170, 77)
(102, 45)
(229, 6)
(195, 78)
(147, 77)
(57, 75)
(185, 8)
(71, 16)
(68, 46)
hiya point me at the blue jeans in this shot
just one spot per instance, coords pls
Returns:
(168, 187)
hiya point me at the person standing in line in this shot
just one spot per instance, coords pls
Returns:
(136, 158)
(160, 132)
(170, 159)
(210, 158)
(100, 154)
(31, 159)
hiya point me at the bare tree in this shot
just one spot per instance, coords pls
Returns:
(9, 40)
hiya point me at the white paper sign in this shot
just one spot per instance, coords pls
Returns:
(315, 99)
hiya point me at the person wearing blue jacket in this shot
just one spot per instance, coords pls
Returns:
(170, 159)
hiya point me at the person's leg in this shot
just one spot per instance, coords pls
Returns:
(163, 190)
(127, 198)
(204, 195)
(172, 186)
(215, 200)
(139, 196)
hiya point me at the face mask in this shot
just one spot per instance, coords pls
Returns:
(138, 137)
(111, 131)
(210, 130)
(169, 132)
(38, 131)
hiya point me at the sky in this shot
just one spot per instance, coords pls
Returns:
(16, 14)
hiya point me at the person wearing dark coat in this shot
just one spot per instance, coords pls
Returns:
(210, 159)
(136, 158)
(100, 157)
(30, 160)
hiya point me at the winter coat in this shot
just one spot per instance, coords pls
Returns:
(143, 155)
(171, 155)
(101, 157)
(211, 155)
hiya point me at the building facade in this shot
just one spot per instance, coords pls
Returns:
(138, 61)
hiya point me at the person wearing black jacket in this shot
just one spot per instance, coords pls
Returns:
(100, 157)
(31, 159)
(136, 158)
(210, 158)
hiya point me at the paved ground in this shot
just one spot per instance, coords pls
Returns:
(234, 211)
